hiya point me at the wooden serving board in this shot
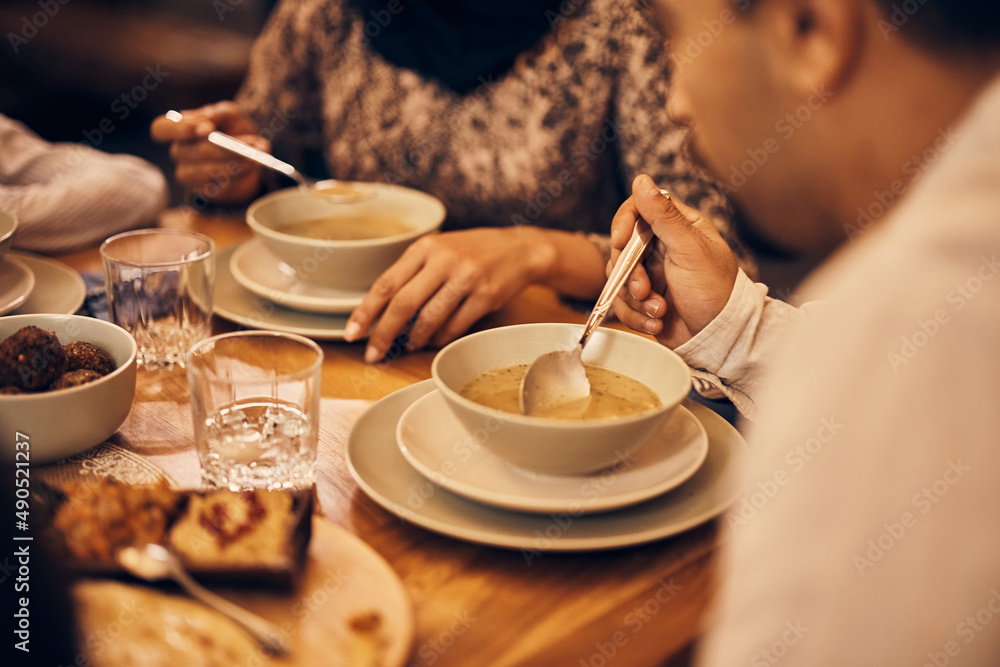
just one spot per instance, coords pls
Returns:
(349, 608)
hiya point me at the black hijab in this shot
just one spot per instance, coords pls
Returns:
(462, 43)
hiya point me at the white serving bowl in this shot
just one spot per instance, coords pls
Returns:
(64, 422)
(8, 225)
(557, 446)
(350, 264)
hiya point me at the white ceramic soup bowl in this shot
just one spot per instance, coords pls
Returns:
(55, 424)
(347, 264)
(558, 446)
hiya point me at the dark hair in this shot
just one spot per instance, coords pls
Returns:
(951, 24)
(948, 25)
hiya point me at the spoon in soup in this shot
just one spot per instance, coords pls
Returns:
(559, 378)
(332, 190)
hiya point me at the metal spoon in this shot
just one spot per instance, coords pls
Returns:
(153, 562)
(559, 378)
(332, 190)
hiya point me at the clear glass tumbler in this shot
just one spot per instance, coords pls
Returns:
(159, 286)
(255, 400)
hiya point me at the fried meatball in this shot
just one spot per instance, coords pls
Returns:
(83, 355)
(31, 359)
(76, 378)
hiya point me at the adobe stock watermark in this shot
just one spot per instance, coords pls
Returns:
(566, 9)
(424, 148)
(313, 601)
(123, 105)
(796, 458)
(923, 501)
(682, 55)
(279, 121)
(121, 108)
(224, 7)
(430, 651)
(791, 635)
(99, 640)
(580, 159)
(373, 27)
(449, 294)
(786, 127)
(913, 168)
(899, 16)
(590, 491)
(636, 619)
(462, 452)
(925, 330)
(967, 630)
(31, 25)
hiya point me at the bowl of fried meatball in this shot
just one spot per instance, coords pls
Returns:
(67, 383)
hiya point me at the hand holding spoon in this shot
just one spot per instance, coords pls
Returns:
(559, 378)
(332, 190)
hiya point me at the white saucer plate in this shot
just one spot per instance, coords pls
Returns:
(58, 288)
(257, 269)
(437, 445)
(16, 283)
(234, 302)
(379, 468)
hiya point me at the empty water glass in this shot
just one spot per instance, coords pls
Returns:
(159, 286)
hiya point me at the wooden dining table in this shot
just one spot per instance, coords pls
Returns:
(478, 605)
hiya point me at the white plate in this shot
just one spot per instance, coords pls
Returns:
(441, 449)
(16, 283)
(258, 270)
(58, 288)
(381, 471)
(234, 302)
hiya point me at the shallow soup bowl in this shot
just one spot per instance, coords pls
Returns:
(560, 446)
(295, 226)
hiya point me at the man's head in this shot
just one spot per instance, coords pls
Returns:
(807, 110)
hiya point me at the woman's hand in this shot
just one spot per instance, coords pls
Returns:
(685, 282)
(207, 170)
(451, 280)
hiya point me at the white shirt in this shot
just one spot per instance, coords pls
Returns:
(67, 196)
(869, 528)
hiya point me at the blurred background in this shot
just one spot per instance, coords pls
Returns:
(98, 71)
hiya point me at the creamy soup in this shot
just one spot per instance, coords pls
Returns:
(346, 227)
(611, 394)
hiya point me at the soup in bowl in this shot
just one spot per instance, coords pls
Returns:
(636, 385)
(346, 244)
(611, 394)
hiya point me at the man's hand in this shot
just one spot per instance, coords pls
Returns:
(685, 281)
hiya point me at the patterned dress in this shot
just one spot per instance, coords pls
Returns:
(555, 141)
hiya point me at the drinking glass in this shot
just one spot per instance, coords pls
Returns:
(159, 286)
(255, 398)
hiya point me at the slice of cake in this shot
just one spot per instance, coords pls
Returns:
(247, 536)
(222, 532)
